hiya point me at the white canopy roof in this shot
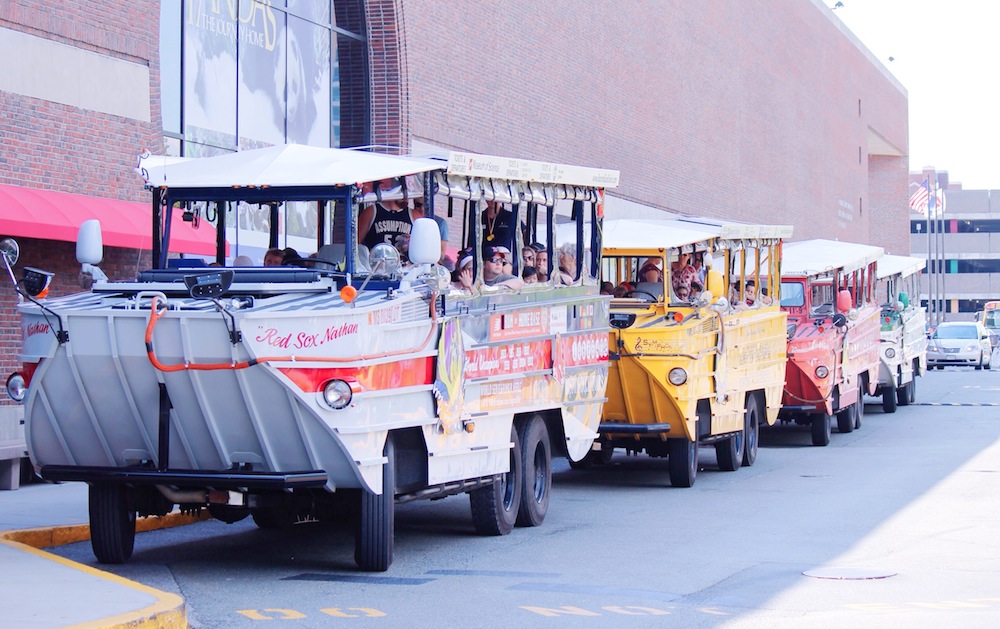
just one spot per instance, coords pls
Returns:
(629, 234)
(819, 256)
(282, 166)
(904, 266)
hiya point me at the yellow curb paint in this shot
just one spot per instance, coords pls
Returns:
(166, 613)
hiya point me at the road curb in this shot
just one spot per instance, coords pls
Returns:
(167, 612)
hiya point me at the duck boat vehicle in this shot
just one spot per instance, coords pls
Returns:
(828, 291)
(903, 344)
(692, 368)
(334, 387)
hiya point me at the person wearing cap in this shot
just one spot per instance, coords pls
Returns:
(494, 257)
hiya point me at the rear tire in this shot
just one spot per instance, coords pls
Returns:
(751, 430)
(859, 406)
(374, 543)
(536, 474)
(822, 428)
(845, 418)
(112, 523)
(495, 506)
(682, 461)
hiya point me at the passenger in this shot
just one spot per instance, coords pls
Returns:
(696, 289)
(681, 273)
(273, 257)
(750, 292)
(445, 260)
(698, 262)
(620, 291)
(462, 278)
(650, 273)
(493, 275)
(607, 288)
(498, 224)
(527, 256)
(385, 221)
(529, 275)
(567, 264)
(541, 261)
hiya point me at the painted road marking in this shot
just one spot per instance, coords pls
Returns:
(957, 404)
(495, 573)
(353, 578)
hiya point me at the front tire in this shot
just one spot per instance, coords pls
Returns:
(495, 506)
(374, 543)
(112, 523)
(536, 474)
(890, 398)
(822, 428)
(845, 418)
(682, 461)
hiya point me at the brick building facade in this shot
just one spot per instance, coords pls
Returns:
(761, 111)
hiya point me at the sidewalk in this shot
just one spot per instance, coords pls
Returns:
(41, 590)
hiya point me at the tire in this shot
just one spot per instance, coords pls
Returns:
(536, 472)
(859, 406)
(374, 542)
(890, 397)
(230, 514)
(495, 506)
(911, 394)
(845, 418)
(822, 427)
(904, 394)
(682, 461)
(606, 454)
(112, 523)
(751, 430)
(729, 453)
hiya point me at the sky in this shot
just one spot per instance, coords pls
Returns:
(946, 55)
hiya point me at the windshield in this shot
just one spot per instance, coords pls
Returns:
(956, 332)
(792, 294)
(992, 319)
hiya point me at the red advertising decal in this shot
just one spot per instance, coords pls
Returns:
(519, 325)
(508, 359)
(402, 373)
(582, 349)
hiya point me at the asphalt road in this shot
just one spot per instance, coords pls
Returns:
(903, 514)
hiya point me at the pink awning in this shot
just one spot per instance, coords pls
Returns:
(50, 215)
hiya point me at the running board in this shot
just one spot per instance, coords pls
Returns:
(226, 479)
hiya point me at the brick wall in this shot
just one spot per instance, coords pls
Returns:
(756, 110)
(60, 147)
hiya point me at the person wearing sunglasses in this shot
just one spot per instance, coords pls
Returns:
(494, 258)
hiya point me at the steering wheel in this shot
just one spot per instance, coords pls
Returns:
(633, 293)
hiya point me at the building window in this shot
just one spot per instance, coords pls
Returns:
(252, 73)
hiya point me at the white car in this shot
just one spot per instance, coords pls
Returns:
(959, 343)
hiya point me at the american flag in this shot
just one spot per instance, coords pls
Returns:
(918, 200)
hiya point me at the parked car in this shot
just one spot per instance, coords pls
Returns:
(959, 343)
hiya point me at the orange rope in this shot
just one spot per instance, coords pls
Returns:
(155, 314)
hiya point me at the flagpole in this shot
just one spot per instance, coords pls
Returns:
(941, 231)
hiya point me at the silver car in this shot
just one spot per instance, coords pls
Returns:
(959, 343)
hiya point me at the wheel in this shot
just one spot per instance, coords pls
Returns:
(112, 523)
(986, 363)
(911, 394)
(606, 453)
(845, 418)
(859, 407)
(979, 367)
(230, 514)
(682, 461)
(890, 398)
(751, 430)
(904, 392)
(536, 474)
(374, 541)
(729, 453)
(495, 506)
(822, 427)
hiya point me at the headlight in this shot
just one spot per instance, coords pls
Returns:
(677, 376)
(337, 394)
(969, 348)
(890, 352)
(822, 371)
(16, 387)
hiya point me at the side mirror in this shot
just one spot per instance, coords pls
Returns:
(10, 251)
(425, 241)
(90, 243)
(715, 283)
(844, 301)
